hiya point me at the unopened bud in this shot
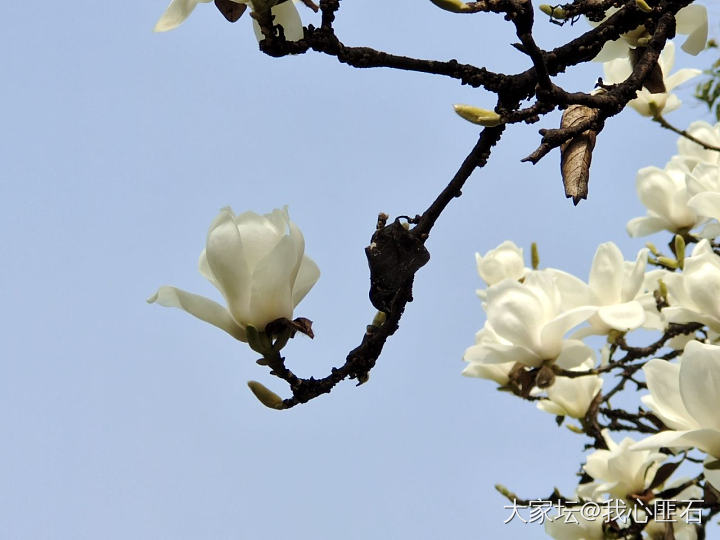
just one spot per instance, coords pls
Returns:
(456, 6)
(555, 12)
(680, 250)
(667, 262)
(534, 256)
(642, 5)
(652, 248)
(476, 115)
(266, 396)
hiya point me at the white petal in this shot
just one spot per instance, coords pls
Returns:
(612, 50)
(706, 204)
(272, 281)
(681, 76)
(175, 14)
(663, 382)
(692, 20)
(606, 275)
(228, 263)
(623, 317)
(700, 383)
(707, 440)
(307, 276)
(644, 226)
(199, 306)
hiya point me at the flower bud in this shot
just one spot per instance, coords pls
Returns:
(455, 6)
(643, 6)
(534, 256)
(266, 396)
(476, 115)
(554, 12)
(680, 250)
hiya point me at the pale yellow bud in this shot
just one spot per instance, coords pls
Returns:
(643, 6)
(456, 6)
(680, 250)
(266, 396)
(534, 256)
(554, 12)
(476, 115)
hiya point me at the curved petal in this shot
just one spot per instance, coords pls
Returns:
(681, 76)
(574, 354)
(692, 20)
(606, 275)
(199, 306)
(307, 276)
(644, 226)
(700, 383)
(707, 440)
(573, 291)
(623, 317)
(553, 332)
(612, 50)
(227, 261)
(706, 204)
(663, 382)
(271, 297)
(175, 14)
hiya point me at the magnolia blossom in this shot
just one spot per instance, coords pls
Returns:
(284, 14)
(500, 373)
(696, 290)
(619, 471)
(685, 397)
(503, 262)
(646, 103)
(691, 21)
(258, 265)
(572, 396)
(664, 193)
(614, 286)
(691, 152)
(530, 324)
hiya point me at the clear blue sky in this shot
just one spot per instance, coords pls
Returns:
(118, 146)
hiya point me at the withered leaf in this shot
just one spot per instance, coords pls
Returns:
(230, 10)
(576, 154)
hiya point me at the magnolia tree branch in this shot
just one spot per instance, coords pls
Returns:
(397, 249)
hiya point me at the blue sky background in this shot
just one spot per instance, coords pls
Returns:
(122, 420)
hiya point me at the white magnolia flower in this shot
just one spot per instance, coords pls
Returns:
(646, 103)
(504, 262)
(620, 471)
(614, 286)
(692, 153)
(664, 193)
(691, 21)
(257, 263)
(285, 13)
(685, 397)
(530, 323)
(572, 396)
(575, 528)
(500, 373)
(695, 291)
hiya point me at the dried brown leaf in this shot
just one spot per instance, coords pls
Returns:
(576, 154)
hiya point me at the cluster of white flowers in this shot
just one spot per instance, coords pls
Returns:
(686, 193)
(532, 340)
